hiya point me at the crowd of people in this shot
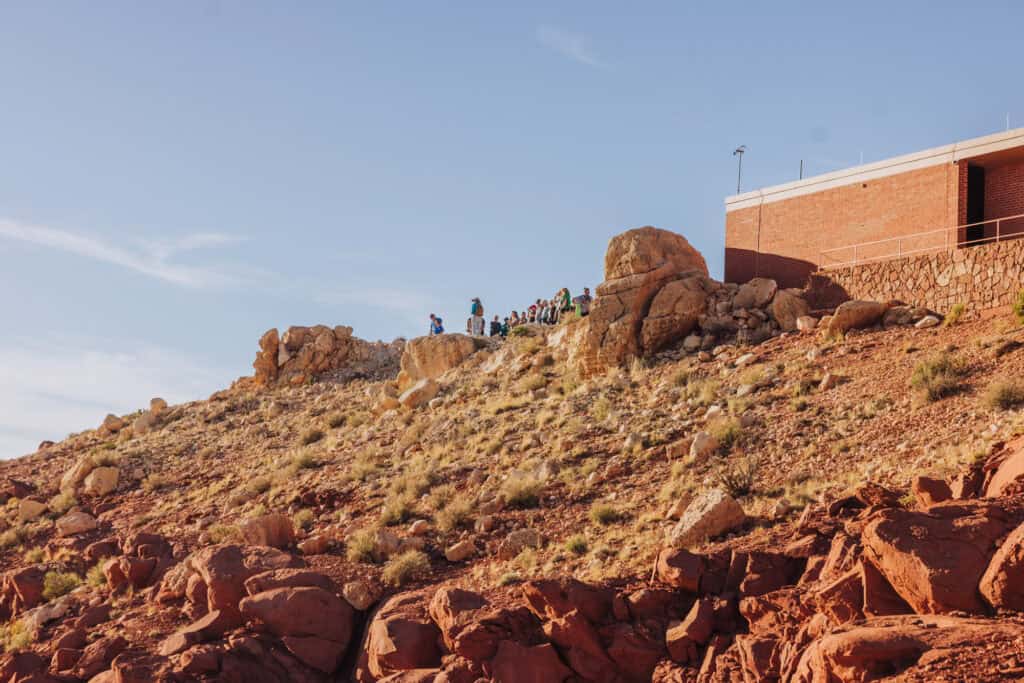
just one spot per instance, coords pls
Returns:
(541, 312)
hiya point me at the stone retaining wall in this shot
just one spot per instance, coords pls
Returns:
(982, 277)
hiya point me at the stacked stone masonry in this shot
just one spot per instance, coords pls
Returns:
(983, 277)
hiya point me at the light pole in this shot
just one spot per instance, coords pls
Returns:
(738, 152)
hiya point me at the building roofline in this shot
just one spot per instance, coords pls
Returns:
(879, 169)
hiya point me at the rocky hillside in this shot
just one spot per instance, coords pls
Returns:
(698, 482)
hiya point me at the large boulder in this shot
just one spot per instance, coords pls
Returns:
(935, 559)
(1006, 470)
(787, 307)
(419, 394)
(756, 293)
(673, 313)
(710, 514)
(639, 264)
(314, 624)
(224, 569)
(643, 250)
(431, 357)
(852, 315)
(400, 637)
(101, 481)
(1002, 584)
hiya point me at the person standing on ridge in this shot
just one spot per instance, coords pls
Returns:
(436, 325)
(477, 312)
(495, 327)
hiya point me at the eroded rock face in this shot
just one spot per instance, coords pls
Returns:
(304, 353)
(1002, 584)
(655, 288)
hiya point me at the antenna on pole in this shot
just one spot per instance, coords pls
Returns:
(1007, 120)
(801, 169)
(739, 171)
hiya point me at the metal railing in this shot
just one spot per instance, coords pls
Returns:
(943, 239)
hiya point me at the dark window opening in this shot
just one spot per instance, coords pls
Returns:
(974, 234)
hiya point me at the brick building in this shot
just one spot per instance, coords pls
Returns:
(953, 197)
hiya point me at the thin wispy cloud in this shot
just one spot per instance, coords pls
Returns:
(409, 305)
(155, 259)
(574, 46)
(54, 386)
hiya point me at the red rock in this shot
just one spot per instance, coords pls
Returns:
(550, 599)
(274, 530)
(401, 637)
(64, 658)
(581, 645)
(75, 639)
(287, 578)
(452, 609)
(935, 559)
(320, 653)
(759, 657)
(684, 637)
(93, 616)
(210, 627)
(145, 545)
(929, 491)
(302, 611)
(780, 613)
(199, 660)
(841, 558)
(880, 599)
(766, 572)
(649, 603)
(680, 569)
(1006, 471)
(125, 571)
(108, 547)
(225, 568)
(635, 651)
(516, 663)
(21, 589)
(23, 667)
(1002, 584)
(98, 655)
(843, 599)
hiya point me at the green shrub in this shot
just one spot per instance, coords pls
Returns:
(577, 545)
(95, 576)
(1018, 307)
(56, 584)
(938, 377)
(1005, 394)
(456, 514)
(406, 567)
(396, 509)
(304, 519)
(16, 635)
(728, 432)
(738, 478)
(361, 546)
(604, 514)
(521, 491)
(311, 436)
(954, 315)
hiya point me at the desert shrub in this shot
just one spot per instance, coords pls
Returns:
(304, 461)
(361, 546)
(1004, 394)
(601, 409)
(1018, 307)
(62, 502)
(521, 490)
(337, 420)
(728, 432)
(532, 382)
(938, 377)
(56, 584)
(311, 436)
(16, 635)
(406, 567)
(604, 514)
(396, 509)
(223, 533)
(95, 576)
(577, 545)
(258, 485)
(456, 514)
(703, 392)
(13, 536)
(304, 519)
(34, 555)
(738, 478)
(155, 482)
(954, 315)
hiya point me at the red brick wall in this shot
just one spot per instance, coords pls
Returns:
(1004, 196)
(794, 232)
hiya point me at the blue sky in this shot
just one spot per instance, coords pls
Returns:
(176, 178)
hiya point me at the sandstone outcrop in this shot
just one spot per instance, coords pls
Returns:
(427, 358)
(302, 354)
